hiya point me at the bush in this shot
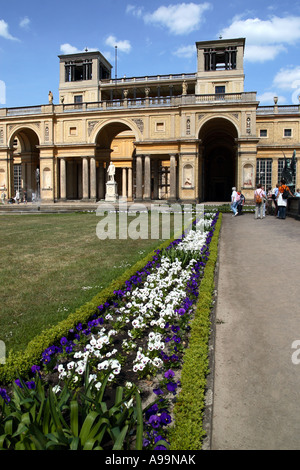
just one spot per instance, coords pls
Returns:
(188, 432)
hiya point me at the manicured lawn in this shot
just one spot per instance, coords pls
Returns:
(51, 264)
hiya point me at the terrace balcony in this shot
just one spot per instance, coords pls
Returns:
(137, 103)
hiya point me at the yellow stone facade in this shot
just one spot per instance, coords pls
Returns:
(184, 137)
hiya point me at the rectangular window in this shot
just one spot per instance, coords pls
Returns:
(160, 127)
(17, 178)
(263, 133)
(78, 70)
(219, 90)
(78, 101)
(287, 133)
(220, 58)
(264, 172)
(73, 130)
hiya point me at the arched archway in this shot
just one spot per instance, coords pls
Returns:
(115, 142)
(25, 160)
(218, 140)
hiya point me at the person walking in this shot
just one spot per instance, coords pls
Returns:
(258, 199)
(282, 198)
(269, 202)
(17, 198)
(241, 203)
(264, 200)
(274, 198)
(234, 201)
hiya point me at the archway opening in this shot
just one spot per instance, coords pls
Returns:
(218, 140)
(26, 164)
(115, 143)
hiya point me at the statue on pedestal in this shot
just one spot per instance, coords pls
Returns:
(111, 170)
(289, 171)
(111, 185)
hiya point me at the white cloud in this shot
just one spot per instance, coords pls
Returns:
(25, 22)
(123, 46)
(265, 39)
(274, 31)
(2, 92)
(268, 98)
(69, 49)
(135, 11)
(182, 18)
(4, 31)
(185, 52)
(287, 78)
(262, 53)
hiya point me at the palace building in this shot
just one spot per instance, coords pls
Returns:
(178, 137)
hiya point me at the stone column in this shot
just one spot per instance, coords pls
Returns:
(63, 180)
(93, 187)
(147, 179)
(129, 190)
(139, 178)
(173, 184)
(85, 178)
(124, 182)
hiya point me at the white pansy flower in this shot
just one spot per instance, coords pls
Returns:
(56, 389)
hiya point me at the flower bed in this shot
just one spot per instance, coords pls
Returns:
(138, 336)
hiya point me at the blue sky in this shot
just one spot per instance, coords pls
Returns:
(153, 37)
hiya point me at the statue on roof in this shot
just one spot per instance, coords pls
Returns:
(50, 97)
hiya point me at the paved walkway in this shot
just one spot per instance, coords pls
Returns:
(256, 401)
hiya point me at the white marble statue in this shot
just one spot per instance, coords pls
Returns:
(111, 170)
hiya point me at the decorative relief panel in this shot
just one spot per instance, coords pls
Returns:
(248, 125)
(46, 133)
(91, 125)
(140, 124)
(188, 126)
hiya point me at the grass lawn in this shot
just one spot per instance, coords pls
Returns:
(52, 264)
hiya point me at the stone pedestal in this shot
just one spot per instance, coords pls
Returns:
(111, 191)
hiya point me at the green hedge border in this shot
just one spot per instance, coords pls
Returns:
(188, 432)
(19, 363)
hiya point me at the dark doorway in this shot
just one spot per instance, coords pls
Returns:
(218, 160)
(218, 174)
